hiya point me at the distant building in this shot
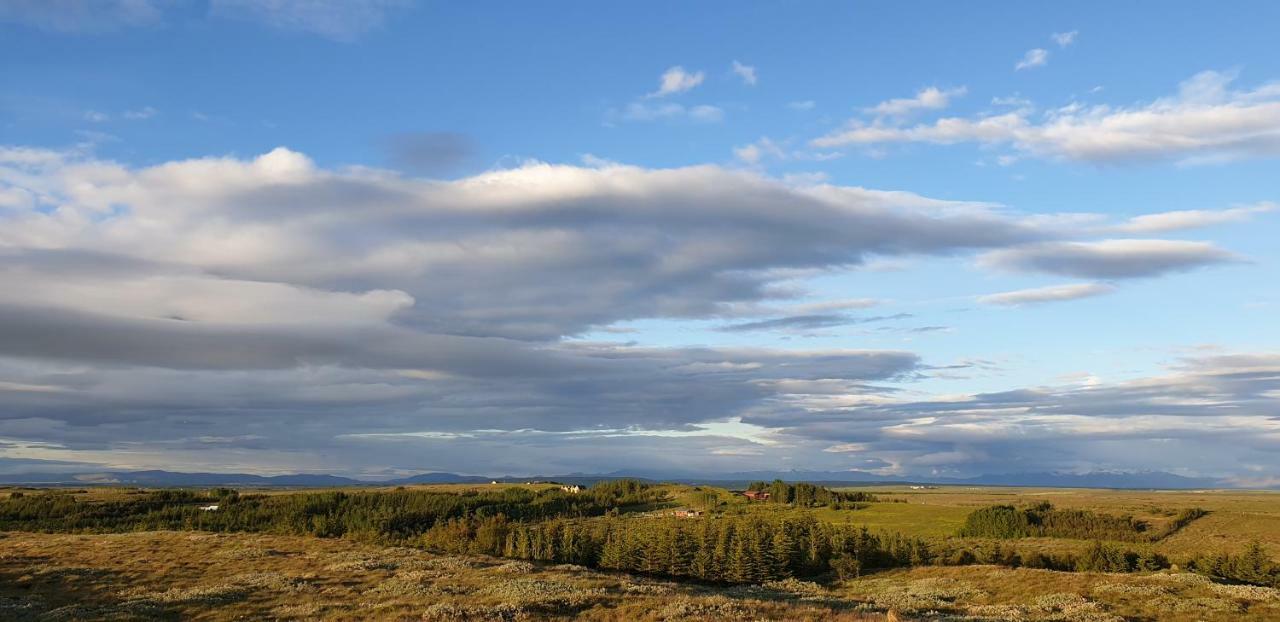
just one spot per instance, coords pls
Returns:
(209, 508)
(756, 495)
(495, 482)
(687, 513)
(572, 489)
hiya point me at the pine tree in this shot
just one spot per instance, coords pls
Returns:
(783, 553)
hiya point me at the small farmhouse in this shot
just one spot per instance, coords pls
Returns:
(209, 508)
(756, 495)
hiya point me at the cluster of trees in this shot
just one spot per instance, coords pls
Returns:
(808, 495)
(1043, 520)
(1253, 566)
(1100, 557)
(394, 516)
(731, 549)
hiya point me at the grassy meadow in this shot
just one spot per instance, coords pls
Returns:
(1235, 517)
(166, 574)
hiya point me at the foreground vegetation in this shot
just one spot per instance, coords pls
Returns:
(217, 577)
(802, 553)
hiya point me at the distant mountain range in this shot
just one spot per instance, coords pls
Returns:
(1100, 479)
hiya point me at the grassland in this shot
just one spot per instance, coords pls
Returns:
(191, 575)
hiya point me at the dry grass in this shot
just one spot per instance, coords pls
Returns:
(995, 593)
(184, 576)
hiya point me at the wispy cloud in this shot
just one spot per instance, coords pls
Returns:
(1052, 293)
(1109, 259)
(1037, 57)
(140, 114)
(75, 17)
(810, 322)
(1191, 219)
(646, 111)
(746, 72)
(341, 21)
(1206, 121)
(931, 98)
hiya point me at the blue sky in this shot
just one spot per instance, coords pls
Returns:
(834, 235)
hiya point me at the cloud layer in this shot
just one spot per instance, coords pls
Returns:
(201, 313)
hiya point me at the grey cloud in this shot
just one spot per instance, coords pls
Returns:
(308, 408)
(809, 322)
(1204, 406)
(1109, 259)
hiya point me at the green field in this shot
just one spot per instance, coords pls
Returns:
(1235, 517)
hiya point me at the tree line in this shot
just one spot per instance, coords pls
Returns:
(1045, 521)
(385, 516)
(808, 495)
(590, 529)
(748, 548)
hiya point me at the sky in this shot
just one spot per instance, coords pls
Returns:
(381, 237)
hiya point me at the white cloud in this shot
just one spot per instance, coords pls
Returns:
(643, 243)
(1036, 57)
(677, 80)
(931, 98)
(1206, 121)
(802, 105)
(93, 116)
(1064, 39)
(746, 72)
(1052, 293)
